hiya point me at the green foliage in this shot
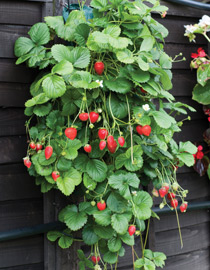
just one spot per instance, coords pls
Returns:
(131, 90)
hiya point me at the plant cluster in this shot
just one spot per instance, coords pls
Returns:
(201, 91)
(105, 126)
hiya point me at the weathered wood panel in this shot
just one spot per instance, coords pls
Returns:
(8, 35)
(20, 213)
(198, 260)
(169, 222)
(194, 238)
(36, 266)
(12, 122)
(11, 252)
(20, 12)
(14, 94)
(12, 149)
(9, 72)
(15, 177)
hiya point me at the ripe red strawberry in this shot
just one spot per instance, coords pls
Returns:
(32, 145)
(110, 139)
(131, 229)
(27, 162)
(112, 147)
(83, 116)
(102, 133)
(171, 196)
(93, 117)
(162, 192)
(102, 145)
(87, 148)
(55, 175)
(139, 130)
(95, 259)
(146, 130)
(101, 205)
(174, 203)
(121, 141)
(99, 67)
(71, 133)
(48, 152)
(38, 147)
(143, 91)
(183, 207)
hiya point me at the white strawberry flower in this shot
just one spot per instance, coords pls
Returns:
(189, 29)
(146, 107)
(100, 83)
(204, 21)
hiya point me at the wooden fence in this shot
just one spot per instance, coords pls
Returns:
(22, 204)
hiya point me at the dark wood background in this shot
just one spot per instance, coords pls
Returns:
(21, 202)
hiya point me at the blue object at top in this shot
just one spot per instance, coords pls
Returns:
(87, 10)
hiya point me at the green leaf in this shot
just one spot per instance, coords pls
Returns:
(89, 236)
(97, 170)
(40, 33)
(125, 56)
(114, 244)
(201, 94)
(39, 99)
(80, 162)
(104, 232)
(103, 217)
(63, 164)
(163, 119)
(140, 76)
(165, 61)
(45, 187)
(65, 241)
(99, 4)
(147, 43)
(116, 107)
(122, 182)
(45, 162)
(71, 152)
(81, 34)
(116, 203)
(60, 52)
(143, 203)
(120, 85)
(54, 119)
(42, 110)
(63, 68)
(112, 30)
(23, 45)
(203, 74)
(187, 147)
(110, 257)
(74, 220)
(119, 223)
(80, 57)
(145, 264)
(80, 79)
(65, 185)
(43, 170)
(33, 133)
(159, 259)
(187, 158)
(89, 183)
(127, 239)
(53, 235)
(142, 64)
(54, 86)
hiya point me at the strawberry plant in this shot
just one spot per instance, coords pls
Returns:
(201, 92)
(103, 105)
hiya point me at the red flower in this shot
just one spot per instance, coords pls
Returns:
(201, 53)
